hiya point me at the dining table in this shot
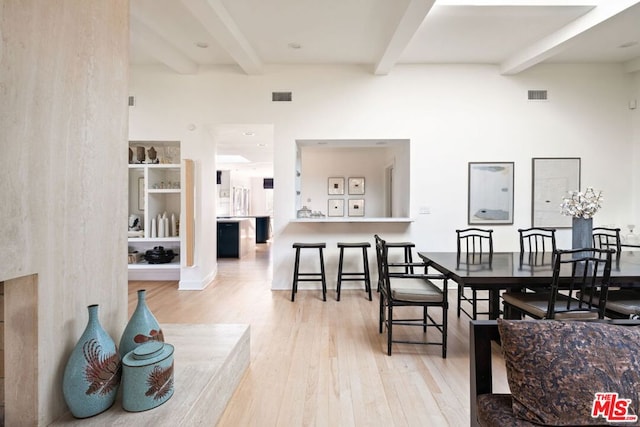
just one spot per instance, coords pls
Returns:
(503, 271)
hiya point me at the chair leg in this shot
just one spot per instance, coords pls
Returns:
(339, 285)
(389, 328)
(324, 280)
(474, 303)
(444, 330)
(367, 276)
(294, 287)
(381, 321)
(460, 290)
(424, 319)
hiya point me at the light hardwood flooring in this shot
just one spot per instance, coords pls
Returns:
(316, 363)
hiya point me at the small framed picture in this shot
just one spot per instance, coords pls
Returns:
(356, 185)
(336, 185)
(336, 207)
(356, 207)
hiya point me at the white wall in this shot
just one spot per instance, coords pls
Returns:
(318, 164)
(63, 169)
(452, 114)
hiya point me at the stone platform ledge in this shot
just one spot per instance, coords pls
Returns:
(209, 362)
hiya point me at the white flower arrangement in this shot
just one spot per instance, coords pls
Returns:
(582, 205)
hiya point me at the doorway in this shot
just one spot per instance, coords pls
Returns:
(244, 190)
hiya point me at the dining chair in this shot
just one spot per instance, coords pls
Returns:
(536, 243)
(407, 291)
(474, 246)
(623, 304)
(607, 238)
(579, 287)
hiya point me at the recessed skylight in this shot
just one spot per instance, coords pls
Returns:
(231, 158)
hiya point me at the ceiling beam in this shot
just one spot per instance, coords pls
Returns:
(216, 21)
(413, 17)
(559, 40)
(159, 48)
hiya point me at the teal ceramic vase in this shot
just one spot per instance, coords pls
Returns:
(92, 374)
(142, 327)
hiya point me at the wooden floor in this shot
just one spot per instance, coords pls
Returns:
(316, 363)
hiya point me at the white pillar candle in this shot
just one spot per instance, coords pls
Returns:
(165, 225)
(161, 229)
(153, 228)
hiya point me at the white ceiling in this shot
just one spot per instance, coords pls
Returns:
(252, 34)
(378, 34)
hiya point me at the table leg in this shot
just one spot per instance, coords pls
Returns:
(494, 303)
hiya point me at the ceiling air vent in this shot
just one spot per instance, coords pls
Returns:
(281, 96)
(537, 95)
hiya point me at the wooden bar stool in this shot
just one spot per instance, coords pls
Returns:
(359, 275)
(308, 277)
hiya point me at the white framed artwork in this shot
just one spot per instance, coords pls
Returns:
(335, 207)
(335, 186)
(356, 207)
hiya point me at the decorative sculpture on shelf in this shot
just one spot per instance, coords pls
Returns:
(153, 155)
(140, 156)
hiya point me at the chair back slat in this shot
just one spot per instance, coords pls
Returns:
(537, 239)
(607, 238)
(585, 289)
(474, 242)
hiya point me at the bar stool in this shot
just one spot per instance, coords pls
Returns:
(308, 277)
(358, 276)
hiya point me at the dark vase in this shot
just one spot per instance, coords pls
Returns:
(92, 374)
(142, 327)
(582, 233)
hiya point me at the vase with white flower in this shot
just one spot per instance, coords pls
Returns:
(582, 206)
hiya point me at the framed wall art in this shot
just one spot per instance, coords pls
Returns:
(490, 198)
(335, 207)
(356, 185)
(551, 179)
(335, 186)
(356, 207)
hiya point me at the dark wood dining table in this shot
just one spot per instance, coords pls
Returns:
(511, 270)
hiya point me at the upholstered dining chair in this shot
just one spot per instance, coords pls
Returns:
(408, 291)
(579, 287)
(474, 246)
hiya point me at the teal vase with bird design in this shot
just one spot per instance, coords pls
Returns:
(92, 373)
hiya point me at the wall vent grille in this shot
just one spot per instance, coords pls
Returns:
(132, 101)
(537, 95)
(281, 96)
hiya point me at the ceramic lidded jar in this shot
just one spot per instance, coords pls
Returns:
(142, 327)
(92, 373)
(147, 377)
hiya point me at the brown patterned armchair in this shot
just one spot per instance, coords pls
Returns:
(555, 370)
